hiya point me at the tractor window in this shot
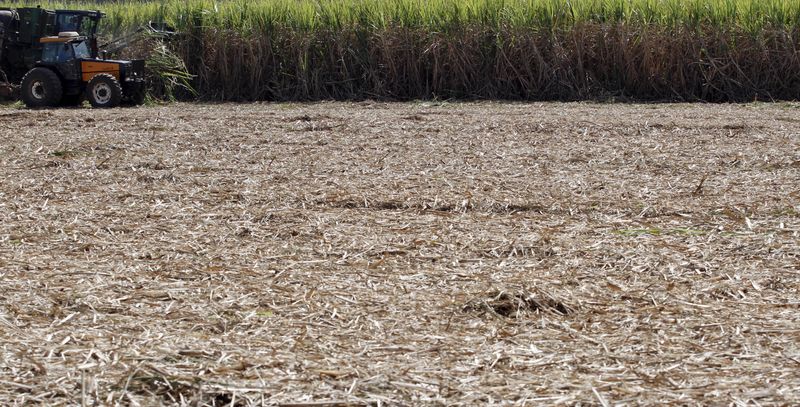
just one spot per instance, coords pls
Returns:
(67, 22)
(73, 22)
(81, 50)
(50, 52)
(55, 52)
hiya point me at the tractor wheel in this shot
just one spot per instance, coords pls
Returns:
(41, 87)
(104, 91)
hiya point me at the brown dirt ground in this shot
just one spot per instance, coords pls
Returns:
(414, 254)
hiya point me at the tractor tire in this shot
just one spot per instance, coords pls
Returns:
(104, 91)
(41, 87)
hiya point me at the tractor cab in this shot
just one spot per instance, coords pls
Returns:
(83, 22)
(69, 70)
(68, 46)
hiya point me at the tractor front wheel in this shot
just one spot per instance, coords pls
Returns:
(41, 87)
(104, 91)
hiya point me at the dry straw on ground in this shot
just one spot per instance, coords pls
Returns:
(412, 254)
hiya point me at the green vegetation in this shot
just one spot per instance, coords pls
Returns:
(712, 50)
(259, 16)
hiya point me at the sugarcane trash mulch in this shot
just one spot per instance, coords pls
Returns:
(400, 254)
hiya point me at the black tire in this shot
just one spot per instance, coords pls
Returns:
(71, 100)
(41, 87)
(104, 91)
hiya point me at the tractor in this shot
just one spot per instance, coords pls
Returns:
(54, 56)
(67, 71)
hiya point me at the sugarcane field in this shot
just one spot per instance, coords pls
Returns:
(340, 203)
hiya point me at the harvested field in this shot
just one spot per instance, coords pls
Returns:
(414, 254)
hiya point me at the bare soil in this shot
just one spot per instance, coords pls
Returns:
(400, 254)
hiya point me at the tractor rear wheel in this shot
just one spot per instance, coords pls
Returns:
(104, 91)
(41, 87)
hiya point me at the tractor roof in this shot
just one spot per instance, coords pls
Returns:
(89, 13)
(66, 36)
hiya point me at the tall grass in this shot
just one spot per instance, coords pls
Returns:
(511, 49)
(259, 16)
